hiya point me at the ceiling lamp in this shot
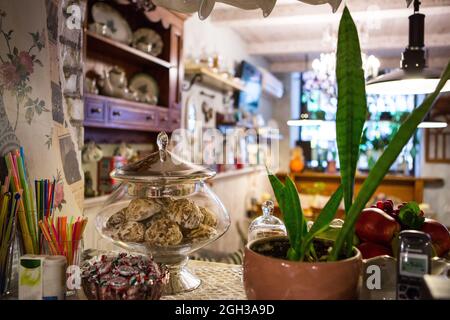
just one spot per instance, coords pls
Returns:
(413, 77)
(432, 125)
(304, 121)
(205, 7)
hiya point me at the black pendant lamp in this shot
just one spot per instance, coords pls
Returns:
(414, 76)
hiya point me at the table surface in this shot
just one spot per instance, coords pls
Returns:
(219, 282)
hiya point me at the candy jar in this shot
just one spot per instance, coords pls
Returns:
(266, 225)
(164, 208)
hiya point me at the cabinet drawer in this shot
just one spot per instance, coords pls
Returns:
(163, 119)
(94, 110)
(175, 119)
(132, 118)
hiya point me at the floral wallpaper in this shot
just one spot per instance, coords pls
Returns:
(17, 67)
(40, 94)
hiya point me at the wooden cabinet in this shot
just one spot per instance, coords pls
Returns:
(174, 118)
(107, 112)
(102, 53)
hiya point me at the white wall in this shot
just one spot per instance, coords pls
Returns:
(204, 36)
(436, 196)
(285, 109)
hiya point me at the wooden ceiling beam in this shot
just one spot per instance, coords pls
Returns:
(299, 14)
(279, 48)
(388, 62)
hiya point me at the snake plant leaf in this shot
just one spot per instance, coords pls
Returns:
(352, 105)
(289, 202)
(376, 175)
(297, 211)
(323, 220)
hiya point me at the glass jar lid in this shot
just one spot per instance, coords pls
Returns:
(266, 225)
(162, 167)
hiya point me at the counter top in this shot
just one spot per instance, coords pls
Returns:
(237, 172)
(389, 177)
(399, 187)
(95, 201)
(219, 282)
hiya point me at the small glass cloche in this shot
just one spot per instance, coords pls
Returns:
(266, 225)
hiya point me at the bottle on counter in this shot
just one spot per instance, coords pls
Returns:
(297, 163)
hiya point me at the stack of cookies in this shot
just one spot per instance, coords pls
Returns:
(163, 222)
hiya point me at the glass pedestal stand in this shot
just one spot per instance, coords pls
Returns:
(180, 279)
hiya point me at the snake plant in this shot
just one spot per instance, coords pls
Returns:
(350, 118)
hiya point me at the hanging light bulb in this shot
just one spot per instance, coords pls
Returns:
(413, 77)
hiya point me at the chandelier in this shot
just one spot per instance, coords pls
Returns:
(325, 65)
(205, 7)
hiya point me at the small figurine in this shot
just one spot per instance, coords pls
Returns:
(88, 185)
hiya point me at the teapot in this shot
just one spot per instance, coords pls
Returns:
(114, 83)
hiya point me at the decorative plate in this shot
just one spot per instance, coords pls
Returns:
(116, 24)
(190, 112)
(145, 85)
(143, 37)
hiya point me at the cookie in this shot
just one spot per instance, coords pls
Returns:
(185, 213)
(116, 220)
(132, 231)
(210, 218)
(141, 209)
(148, 222)
(163, 232)
(202, 233)
(164, 202)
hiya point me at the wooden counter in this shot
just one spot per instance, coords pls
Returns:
(404, 188)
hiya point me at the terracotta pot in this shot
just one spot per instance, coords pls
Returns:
(268, 278)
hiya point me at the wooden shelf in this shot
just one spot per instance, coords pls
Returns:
(98, 39)
(404, 188)
(214, 79)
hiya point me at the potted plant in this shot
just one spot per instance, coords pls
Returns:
(305, 265)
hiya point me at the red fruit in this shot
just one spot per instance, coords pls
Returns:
(440, 236)
(374, 225)
(388, 206)
(380, 205)
(370, 250)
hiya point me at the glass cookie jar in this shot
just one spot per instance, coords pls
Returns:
(164, 208)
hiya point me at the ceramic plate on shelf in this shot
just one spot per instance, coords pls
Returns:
(190, 116)
(146, 87)
(148, 40)
(117, 25)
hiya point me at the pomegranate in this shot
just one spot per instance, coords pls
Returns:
(374, 225)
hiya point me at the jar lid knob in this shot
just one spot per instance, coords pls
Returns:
(162, 141)
(267, 208)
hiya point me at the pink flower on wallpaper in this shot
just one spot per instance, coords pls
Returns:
(9, 77)
(26, 61)
(59, 195)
